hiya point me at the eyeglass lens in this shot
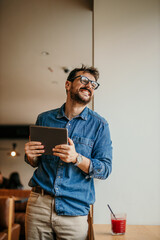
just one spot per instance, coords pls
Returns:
(85, 81)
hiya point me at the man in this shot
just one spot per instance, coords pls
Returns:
(62, 185)
(3, 181)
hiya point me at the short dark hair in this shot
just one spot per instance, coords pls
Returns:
(92, 70)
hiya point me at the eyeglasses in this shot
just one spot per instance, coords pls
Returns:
(84, 80)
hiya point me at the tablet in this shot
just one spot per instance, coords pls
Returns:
(49, 137)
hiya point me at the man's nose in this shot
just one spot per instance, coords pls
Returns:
(89, 85)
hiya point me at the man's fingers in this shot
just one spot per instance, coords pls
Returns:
(35, 155)
(65, 146)
(34, 143)
(59, 154)
(38, 151)
(36, 147)
(70, 141)
(62, 156)
(60, 150)
(62, 146)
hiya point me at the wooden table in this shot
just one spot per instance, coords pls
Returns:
(133, 232)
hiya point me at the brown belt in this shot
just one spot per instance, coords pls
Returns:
(40, 190)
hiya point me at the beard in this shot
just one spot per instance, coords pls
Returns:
(75, 96)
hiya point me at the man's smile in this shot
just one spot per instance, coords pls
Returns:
(85, 91)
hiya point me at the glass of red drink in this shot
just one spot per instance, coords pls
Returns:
(118, 223)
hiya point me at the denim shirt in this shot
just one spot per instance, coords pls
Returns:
(72, 188)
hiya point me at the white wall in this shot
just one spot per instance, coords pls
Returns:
(64, 28)
(27, 28)
(127, 53)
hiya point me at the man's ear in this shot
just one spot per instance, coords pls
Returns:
(67, 85)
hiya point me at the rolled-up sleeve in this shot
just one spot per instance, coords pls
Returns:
(101, 160)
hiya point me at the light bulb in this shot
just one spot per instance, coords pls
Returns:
(13, 153)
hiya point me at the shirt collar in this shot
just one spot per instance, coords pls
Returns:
(83, 114)
(61, 113)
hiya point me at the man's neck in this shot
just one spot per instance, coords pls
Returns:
(73, 109)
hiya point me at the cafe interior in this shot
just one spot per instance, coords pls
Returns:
(40, 43)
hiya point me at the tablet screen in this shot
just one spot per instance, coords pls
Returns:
(49, 137)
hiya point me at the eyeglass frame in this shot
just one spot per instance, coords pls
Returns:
(72, 79)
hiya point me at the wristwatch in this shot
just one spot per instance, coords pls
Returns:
(79, 159)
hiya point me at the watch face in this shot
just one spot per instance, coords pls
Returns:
(79, 159)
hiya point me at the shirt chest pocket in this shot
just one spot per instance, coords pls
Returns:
(83, 145)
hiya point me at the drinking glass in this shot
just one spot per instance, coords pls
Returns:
(118, 223)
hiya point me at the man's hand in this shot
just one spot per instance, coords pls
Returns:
(67, 153)
(34, 149)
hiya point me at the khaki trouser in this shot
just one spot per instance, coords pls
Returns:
(42, 222)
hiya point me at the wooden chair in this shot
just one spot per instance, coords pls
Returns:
(90, 224)
(20, 196)
(7, 225)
